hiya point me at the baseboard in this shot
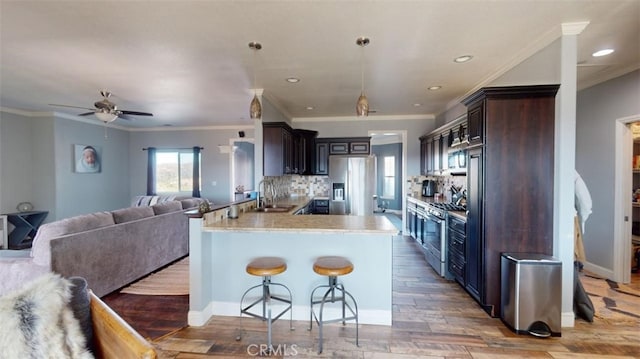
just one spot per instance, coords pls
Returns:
(300, 312)
(600, 271)
(567, 319)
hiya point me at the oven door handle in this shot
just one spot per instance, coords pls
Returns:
(434, 219)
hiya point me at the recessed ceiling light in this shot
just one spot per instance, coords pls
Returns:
(309, 108)
(463, 58)
(604, 52)
(417, 104)
(433, 88)
(293, 80)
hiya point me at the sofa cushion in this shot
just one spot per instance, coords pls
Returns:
(37, 321)
(131, 214)
(40, 248)
(192, 202)
(167, 207)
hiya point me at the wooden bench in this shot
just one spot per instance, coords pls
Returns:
(113, 337)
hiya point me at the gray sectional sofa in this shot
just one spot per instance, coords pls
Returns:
(108, 249)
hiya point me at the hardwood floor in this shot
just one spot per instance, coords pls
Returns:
(432, 318)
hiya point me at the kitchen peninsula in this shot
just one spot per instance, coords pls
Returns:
(221, 247)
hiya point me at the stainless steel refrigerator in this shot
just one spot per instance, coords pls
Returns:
(353, 185)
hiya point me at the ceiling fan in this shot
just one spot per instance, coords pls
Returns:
(107, 111)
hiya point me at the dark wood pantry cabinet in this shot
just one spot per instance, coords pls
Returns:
(509, 182)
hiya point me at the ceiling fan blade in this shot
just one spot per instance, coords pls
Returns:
(137, 113)
(87, 113)
(84, 108)
(125, 117)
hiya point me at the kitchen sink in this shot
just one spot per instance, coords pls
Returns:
(274, 209)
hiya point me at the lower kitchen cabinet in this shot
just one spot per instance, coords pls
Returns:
(456, 238)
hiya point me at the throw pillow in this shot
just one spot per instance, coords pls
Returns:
(37, 322)
(167, 207)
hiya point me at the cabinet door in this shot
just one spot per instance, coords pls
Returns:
(273, 153)
(475, 123)
(444, 152)
(428, 165)
(338, 148)
(322, 158)
(423, 156)
(437, 150)
(474, 247)
(359, 148)
(287, 141)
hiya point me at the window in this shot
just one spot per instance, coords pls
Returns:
(174, 171)
(389, 179)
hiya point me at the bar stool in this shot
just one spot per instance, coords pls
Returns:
(333, 266)
(266, 267)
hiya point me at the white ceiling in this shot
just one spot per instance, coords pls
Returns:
(188, 62)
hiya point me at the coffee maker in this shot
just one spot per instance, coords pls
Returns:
(428, 188)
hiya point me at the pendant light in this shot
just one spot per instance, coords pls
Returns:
(255, 108)
(362, 106)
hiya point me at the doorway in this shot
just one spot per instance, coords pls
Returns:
(242, 152)
(623, 209)
(383, 137)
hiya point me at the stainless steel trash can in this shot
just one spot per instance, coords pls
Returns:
(531, 293)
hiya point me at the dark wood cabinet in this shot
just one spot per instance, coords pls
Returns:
(303, 150)
(359, 148)
(322, 157)
(338, 146)
(286, 150)
(510, 182)
(473, 244)
(475, 123)
(277, 149)
(456, 243)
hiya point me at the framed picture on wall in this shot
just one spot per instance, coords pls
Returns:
(87, 158)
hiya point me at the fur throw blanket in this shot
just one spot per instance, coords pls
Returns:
(37, 322)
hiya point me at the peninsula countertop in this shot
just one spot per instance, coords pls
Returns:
(287, 221)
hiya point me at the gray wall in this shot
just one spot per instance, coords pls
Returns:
(215, 166)
(598, 108)
(17, 162)
(37, 162)
(79, 193)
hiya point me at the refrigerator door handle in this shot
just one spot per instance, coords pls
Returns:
(347, 193)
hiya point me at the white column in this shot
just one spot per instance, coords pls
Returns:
(565, 145)
(258, 154)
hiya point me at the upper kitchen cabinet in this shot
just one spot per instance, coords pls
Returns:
(338, 146)
(303, 149)
(509, 182)
(277, 149)
(475, 123)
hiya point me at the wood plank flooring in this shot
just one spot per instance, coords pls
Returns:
(432, 318)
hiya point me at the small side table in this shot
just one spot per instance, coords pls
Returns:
(26, 225)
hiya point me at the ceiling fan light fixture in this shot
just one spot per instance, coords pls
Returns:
(255, 108)
(106, 116)
(362, 106)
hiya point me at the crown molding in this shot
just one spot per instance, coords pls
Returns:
(364, 118)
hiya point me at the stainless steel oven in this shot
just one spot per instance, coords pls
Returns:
(434, 239)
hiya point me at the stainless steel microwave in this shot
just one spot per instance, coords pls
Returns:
(458, 161)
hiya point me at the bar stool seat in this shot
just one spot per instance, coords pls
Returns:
(266, 267)
(333, 267)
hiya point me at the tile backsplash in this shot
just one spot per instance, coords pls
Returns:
(307, 185)
(444, 184)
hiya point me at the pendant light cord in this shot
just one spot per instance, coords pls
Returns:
(362, 70)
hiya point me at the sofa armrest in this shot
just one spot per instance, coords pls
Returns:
(113, 337)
